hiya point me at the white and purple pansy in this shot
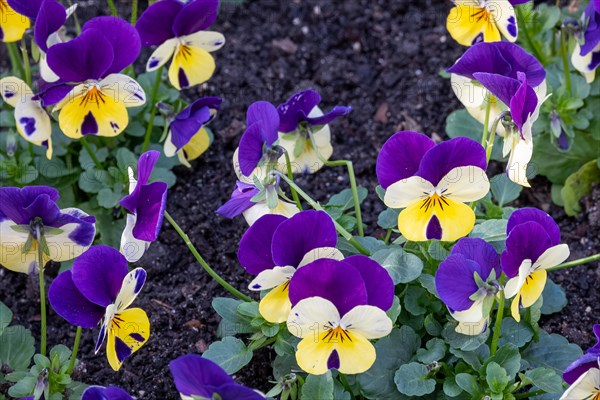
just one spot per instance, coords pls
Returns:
(178, 29)
(591, 359)
(100, 285)
(30, 218)
(586, 55)
(466, 283)
(105, 393)
(146, 204)
(300, 114)
(199, 377)
(275, 247)
(586, 387)
(532, 246)
(431, 183)
(337, 307)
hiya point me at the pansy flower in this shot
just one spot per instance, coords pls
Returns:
(178, 29)
(100, 285)
(275, 247)
(586, 56)
(431, 183)
(532, 246)
(105, 393)
(29, 218)
(187, 136)
(199, 377)
(92, 96)
(32, 120)
(300, 113)
(337, 307)
(146, 203)
(591, 359)
(474, 21)
(13, 23)
(586, 387)
(466, 283)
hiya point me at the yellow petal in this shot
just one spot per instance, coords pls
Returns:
(514, 307)
(199, 143)
(12, 25)
(128, 331)
(533, 287)
(275, 307)
(469, 24)
(191, 66)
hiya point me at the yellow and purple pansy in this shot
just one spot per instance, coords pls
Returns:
(586, 55)
(591, 359)
(105, 393)
(146, 204)
(13, 22)
(275, 247)
(466, 282)
(431, 183)
(30, 218)
(100, 285)
(199, 377)
(337, 307)
(178, 29)
(91, 95)
(532, 246)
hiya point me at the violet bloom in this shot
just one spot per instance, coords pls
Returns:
(187, 137)
(466, 283)
(300, 114)
(515, 78)
(146, 203)
(196, 376)
(344, 304)
(591, 359)
(105, 393)
(178, 29)
(100, 285)
(532, 246)
(275, 247)
(586, 56)
(30, 218)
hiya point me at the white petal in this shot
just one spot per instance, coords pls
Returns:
(207, 40)
(169, 148)
(76, 92)
(125, 89)
(368, 321)
(161, 55)
(310, 315)
(259, 209)
(503, 13)
(582, 63)
(33, 122)
(131, 287)
(405, 192)
(47, 74)
(132, 180)
(133, 249)
(63, 248)
(472, 328)
(271, 278)
(552, 257)
(182, 159)
(14, 91)
(260, 171)
(464, 184)
(585, 387)
(319, 253)
(471, 315)
(469, 94)
(520, 155)
(515, 284)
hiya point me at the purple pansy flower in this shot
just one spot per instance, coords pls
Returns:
(195, 375)
(465, 282)
(586, 56)
(30, 217)
(105, 393)
(431, 183)
(275, 247)
(532, 246)
(344, 303)
(591, 359)
(100, 284)
(146, 203)
(178, 29)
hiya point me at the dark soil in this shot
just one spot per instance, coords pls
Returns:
(380, 56)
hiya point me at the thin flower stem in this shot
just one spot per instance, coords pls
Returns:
(42, 294)
(203, 263)
(344, 383)
(74, 352)
(498, 324)
(91, 153)
(77, 24)
(134, 12)
(564, 48)
(290, 174)
(575, 263)
(489, 146)
(345, 234)
(153, 95)
(486, 125)
(528, 394)
(388, 235)
(26, 65)
(113, 9)
(525, 31)
(15, 60)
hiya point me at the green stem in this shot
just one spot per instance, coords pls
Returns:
(525, 32)
(489, 146)
(134, 12)
(486, 125)
(113, 9)
(153, 95)
(26, 65)
(574, 263)
(345, 383)
(203, 263)
(528, 394)
(290, 175)
(42, 293)
(75, 349)
(388, 235)
(343, 232)
(498, 324)
(563, 50)
(15, 60)
(91, 153)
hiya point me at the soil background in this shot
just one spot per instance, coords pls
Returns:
(383, 58)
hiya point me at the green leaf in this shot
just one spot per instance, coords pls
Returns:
(496, 377)
(554, 298)
(403, 267)
(504, 190)
(475, 358)
(16, 347)
(388, 219)
(416, 300)
(86, 162)
(230, 353)
(318, 387)
(517, 333)
(108, 198)
(55, 168)
(451, 389)
(546, 379)
(468, 383)
(94, 180)
(126, 159)
(436, 350)
(233, 322)
(507, 357)
(578, 185)
(394, 310)
(460, 123)
(110, 229)
(437, 251)
(492, 231)
(463, 342)
(6, 316)
(412, 380)
(551, 351)
(345, 200)
(432, 326)
(23, 388)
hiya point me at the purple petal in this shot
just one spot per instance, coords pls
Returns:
(15, 203)
(401, 156)
(69, 303)
(336, 281)
(51, 17)
(240, 200)
(596, 348)
(51, 94)
(254, 252)
(98, 274)
(581, 366)
(457, 152)
(455, 282)
(234, 391)
(150, 211)
(526, 241)
(195, 375)
(109, 393)
(524, 215)
(517, 2)
(155, 25)
(266, 116)
(146, 164)
(188, 122)
(379, 284)
(481, 252)
(251, 149)
(84, 234)
(296, 109)
(196, 16)
(500, 86)
(338, 111)
(29, 8)
(592, 32)
(523, 104)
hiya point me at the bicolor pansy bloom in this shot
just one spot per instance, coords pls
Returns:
(532, 246)
(275, 247)
(30, 218)
(13, 24)
(466, 282)
(32, 120)
(299, 114)
(100, 285)
(199, 377)
(591, 359)
(586, 387)
(187, 136)
(337, 307)
(105, 393)
(92, 95)
(178, 29)
(475, 21)
(146, 204)
(431, 183)
(586, 55)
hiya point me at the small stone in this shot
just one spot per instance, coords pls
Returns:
(588, 309)
(286, 45)
(381, 114)
(356, 46)
(193, 324)
(305, 30)
(201, 346)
